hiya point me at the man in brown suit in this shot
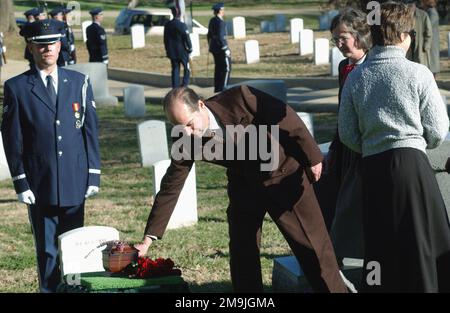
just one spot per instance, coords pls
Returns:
(284, 190)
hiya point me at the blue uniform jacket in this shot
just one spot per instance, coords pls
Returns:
(217, 35)
(176, 40)
(96, 43)
(45, 149)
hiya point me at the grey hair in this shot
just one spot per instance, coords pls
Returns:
(356, 22)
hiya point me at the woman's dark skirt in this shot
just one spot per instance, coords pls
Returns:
(406, 227)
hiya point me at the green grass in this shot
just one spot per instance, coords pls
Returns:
(201, 251)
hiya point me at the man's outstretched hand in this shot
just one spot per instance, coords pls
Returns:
(314, 172)
(143, 246)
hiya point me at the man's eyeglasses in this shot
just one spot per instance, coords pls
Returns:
(340, 39)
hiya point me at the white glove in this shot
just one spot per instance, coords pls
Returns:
(105, 62)
(26, 197)
(92, 190)
(228, 52)
(4, 49)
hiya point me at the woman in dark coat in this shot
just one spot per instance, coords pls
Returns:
(351, 34)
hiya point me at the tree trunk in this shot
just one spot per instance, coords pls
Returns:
(132, 4)
(7, 19)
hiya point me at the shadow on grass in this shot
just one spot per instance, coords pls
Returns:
(207, 219)
(7, 200)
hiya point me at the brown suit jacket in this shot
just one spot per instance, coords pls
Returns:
(242, 105)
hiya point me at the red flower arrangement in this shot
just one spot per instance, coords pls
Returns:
(147, 268)
(121, 257)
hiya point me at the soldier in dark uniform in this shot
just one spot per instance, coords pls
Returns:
(31, 15)
(70, 38)
(64, 54)
(178, 47)
(218, 46)
(96, 38)
(49, 131)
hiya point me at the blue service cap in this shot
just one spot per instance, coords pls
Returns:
(56, 11)
(33, 12)
(218, 6)
(95, 11)
(43, 32)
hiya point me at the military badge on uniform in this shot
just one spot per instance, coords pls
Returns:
(76, 110)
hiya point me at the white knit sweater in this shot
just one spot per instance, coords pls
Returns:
(390, 102)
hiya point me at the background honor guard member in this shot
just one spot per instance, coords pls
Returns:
(178, 47)
(70, 37)
(96, 38)
(32, 15)
(64, 53)
(218, 46)
(49, 131)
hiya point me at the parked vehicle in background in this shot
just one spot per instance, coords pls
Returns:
(152, 19)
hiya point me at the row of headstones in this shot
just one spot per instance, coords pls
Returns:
(137, 34)
(319, 47)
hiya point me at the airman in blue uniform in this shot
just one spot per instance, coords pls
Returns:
(49, 131)
(70, 38)
(32, 15)
(64, 55)
(218, 46)
(178, 47)
(96, 38)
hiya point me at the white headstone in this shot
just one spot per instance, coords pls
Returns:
(98, 76)
(134, 101)
(152, 140)
(185, 212)
(264, 25)
(4, 169)
(85, 25)
(280, 22)
(306, 45)
(137, 36)
(252, 51)
(80, 249)
(195, 41)
(296, 27)
(239, 27)
(321, 51)
(307, 118)
(336, 58)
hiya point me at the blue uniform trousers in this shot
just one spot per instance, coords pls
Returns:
(222, 71)
(48, 222)
(176, 72)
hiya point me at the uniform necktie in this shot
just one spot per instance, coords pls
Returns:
(51, 90)
(346, 70)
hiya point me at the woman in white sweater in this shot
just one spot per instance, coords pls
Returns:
(391, 111)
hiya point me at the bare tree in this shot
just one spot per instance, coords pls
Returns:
(7, 19)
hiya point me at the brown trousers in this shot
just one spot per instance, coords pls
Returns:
(292, 205)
